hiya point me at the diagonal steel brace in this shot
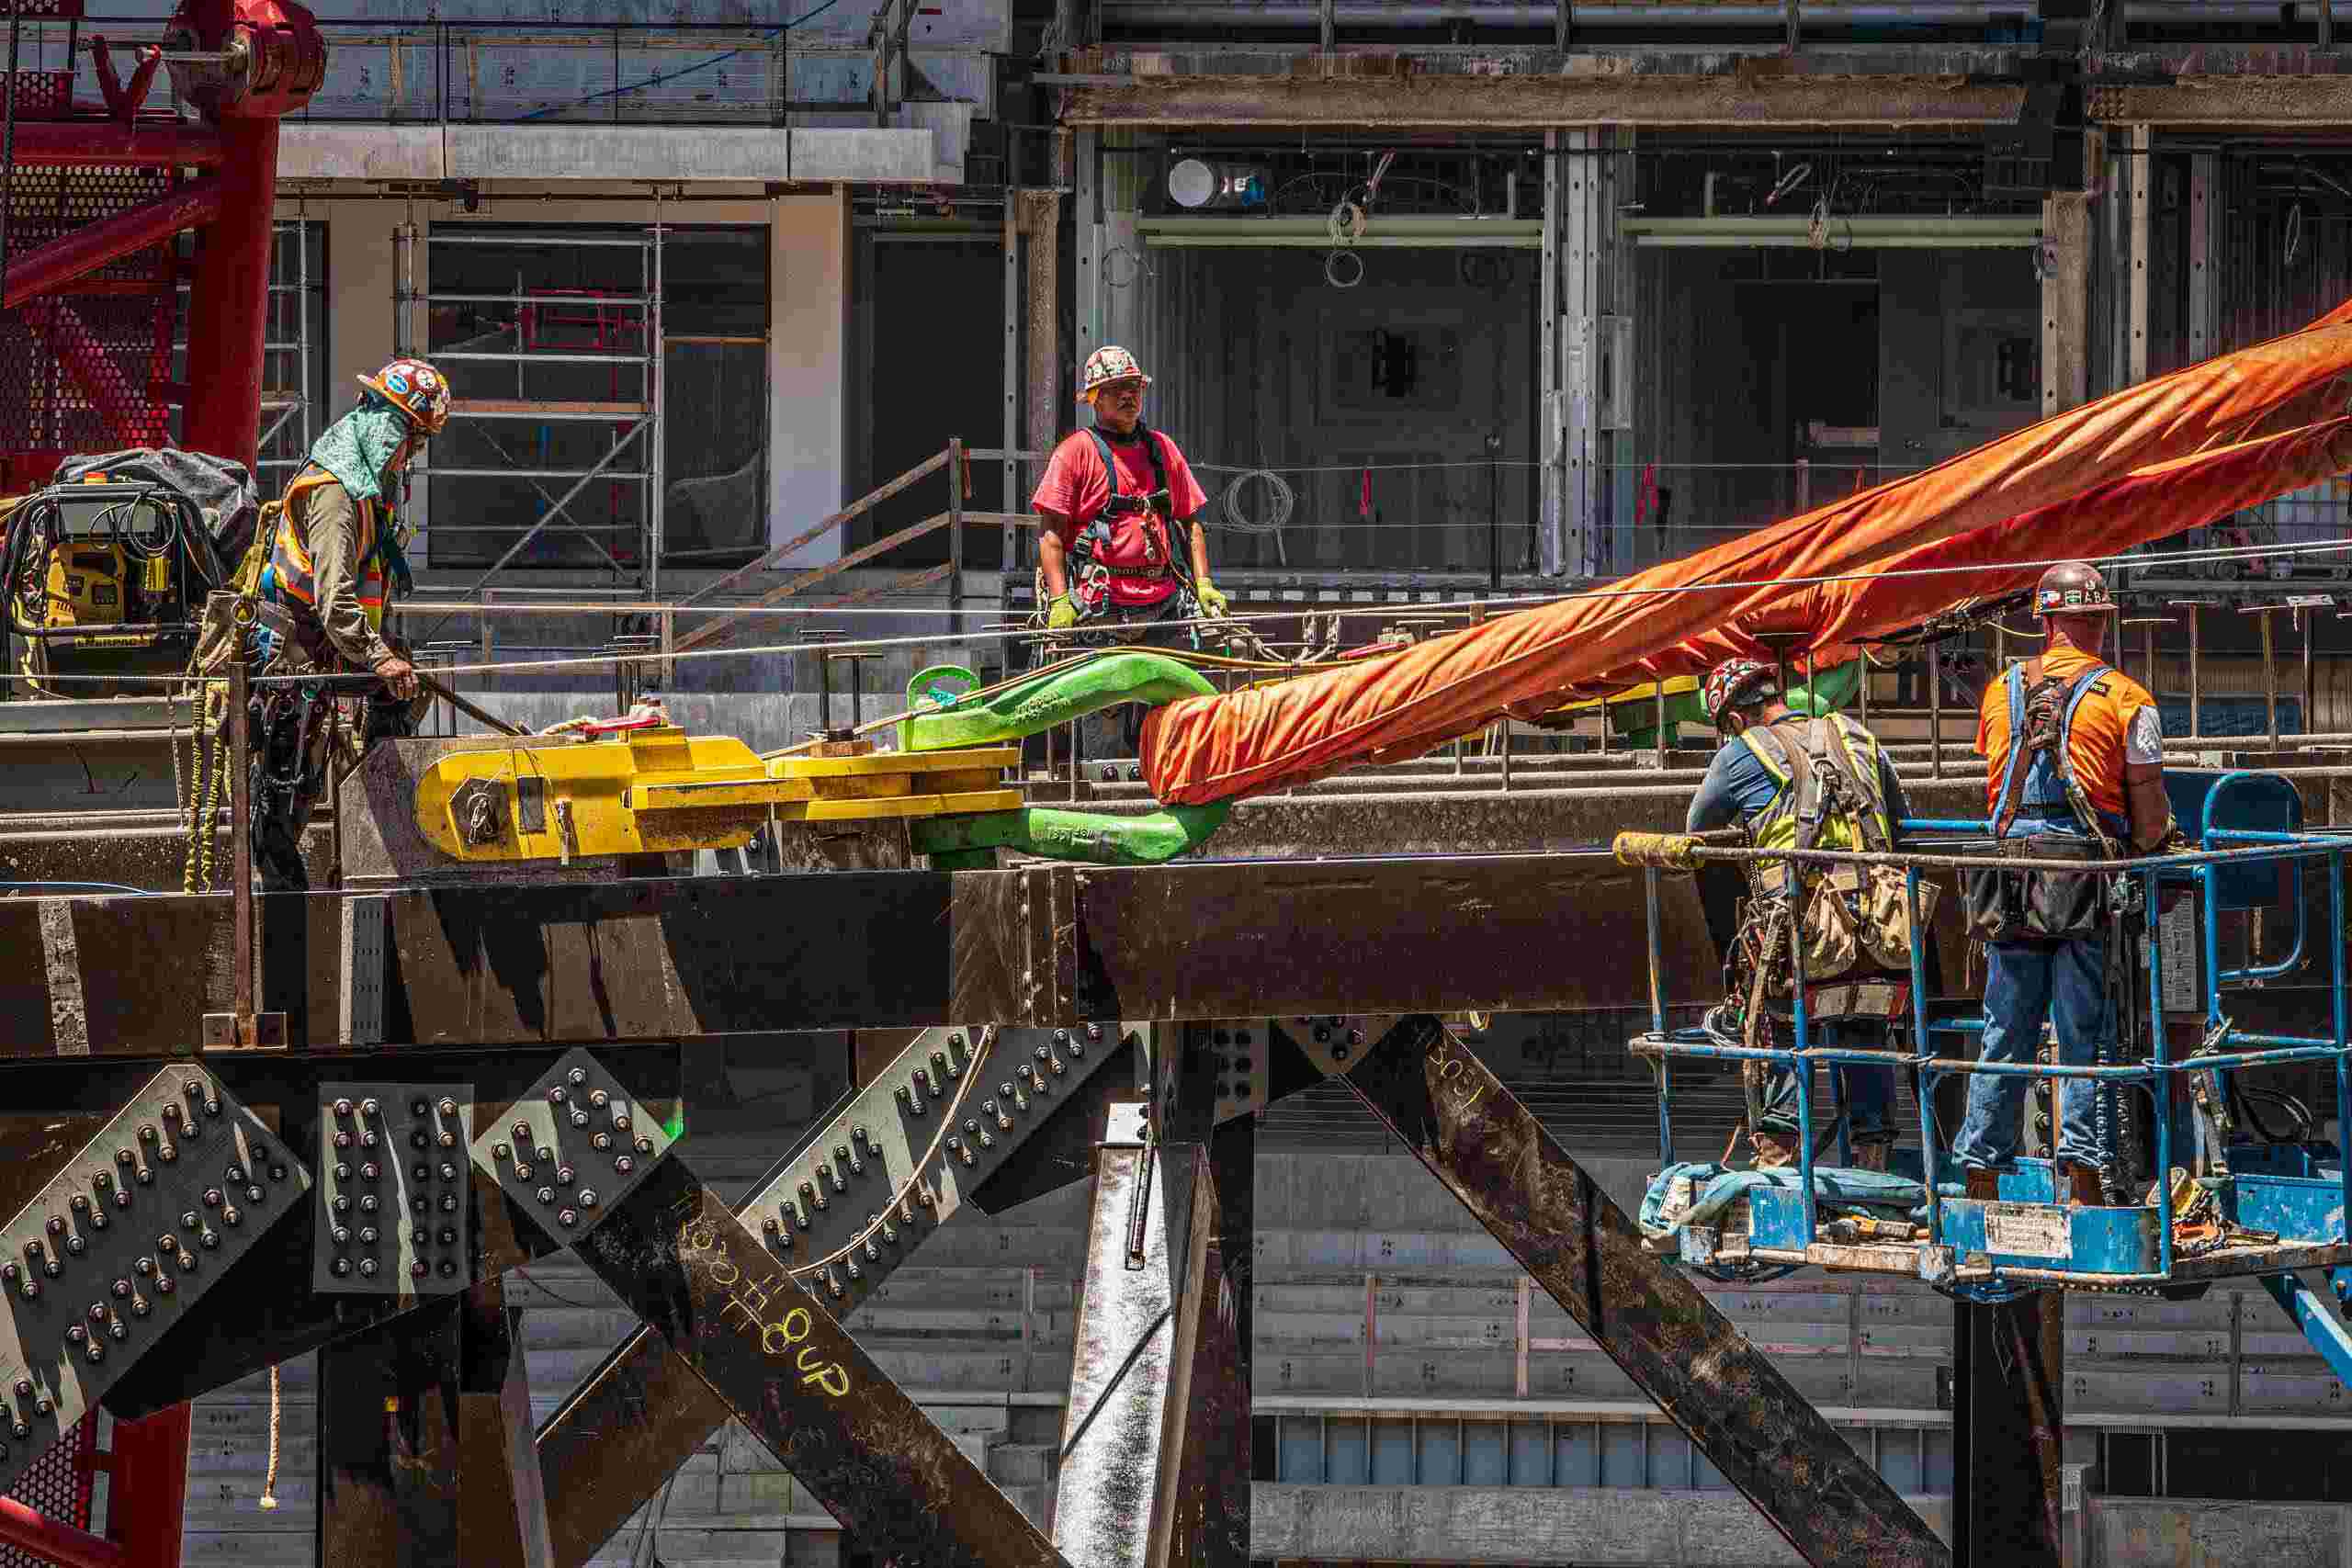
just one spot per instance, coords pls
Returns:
(794, 1377)
(1477, 1137)
(608, 1448)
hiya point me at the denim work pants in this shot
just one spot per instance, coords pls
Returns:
(2026, 982)
(1867, 1093)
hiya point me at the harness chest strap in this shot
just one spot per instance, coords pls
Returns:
(1151, 440)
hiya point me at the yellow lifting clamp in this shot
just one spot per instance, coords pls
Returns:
(661, 789)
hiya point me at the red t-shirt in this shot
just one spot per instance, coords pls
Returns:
(1075, 487)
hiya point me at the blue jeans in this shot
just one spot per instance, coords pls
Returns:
(1868, 1093)
(2024, 983)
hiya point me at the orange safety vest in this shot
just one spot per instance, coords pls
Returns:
(289, 575)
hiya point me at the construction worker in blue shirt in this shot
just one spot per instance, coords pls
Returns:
(1775, 765)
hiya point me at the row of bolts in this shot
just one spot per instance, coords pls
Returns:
(914, 1098)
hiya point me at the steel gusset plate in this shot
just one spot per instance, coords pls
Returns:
(1768, 1441)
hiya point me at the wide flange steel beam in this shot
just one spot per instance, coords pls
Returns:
(1544, 102)
(1768, 1441)
(681, 1261)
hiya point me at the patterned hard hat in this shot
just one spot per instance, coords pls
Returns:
(1734, 683)
(416, 390)
(2071, 588)
(1106, 364)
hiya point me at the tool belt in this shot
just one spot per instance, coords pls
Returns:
(2005, 904)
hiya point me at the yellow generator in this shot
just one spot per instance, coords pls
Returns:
(104, 575)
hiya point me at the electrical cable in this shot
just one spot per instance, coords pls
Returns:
(948, 1126)
(1279, 500)
(2330, 547)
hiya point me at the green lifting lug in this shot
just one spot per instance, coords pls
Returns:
(942, 717)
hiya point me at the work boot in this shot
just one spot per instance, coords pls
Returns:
(1772, 1151)
(1983, 1184)
(1872, 1157)
(2078, 1185)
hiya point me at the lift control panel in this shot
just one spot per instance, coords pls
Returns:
(395, 1181)
(123, 1240)
(572, 1147)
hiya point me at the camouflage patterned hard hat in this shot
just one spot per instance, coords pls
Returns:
(1106, 364)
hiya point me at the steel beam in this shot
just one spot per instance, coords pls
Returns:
(1546, 102)
(2008, 1432)
(1477, 1138)
(634, 1420)
(387, 1443)
(502, 1499)
(800, 1385)
(1156, 1461)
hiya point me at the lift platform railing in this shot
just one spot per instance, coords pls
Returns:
(2223, 851)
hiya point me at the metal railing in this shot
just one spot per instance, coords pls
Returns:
(2222, 850)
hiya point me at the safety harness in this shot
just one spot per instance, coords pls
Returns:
(2041, 773)
(1090, 583)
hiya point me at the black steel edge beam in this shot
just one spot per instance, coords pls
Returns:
(637, 1398)
(1768, 1441)
(660, 960)
(785, 1369)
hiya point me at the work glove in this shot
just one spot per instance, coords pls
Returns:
(1062, 615)
(1211, 601)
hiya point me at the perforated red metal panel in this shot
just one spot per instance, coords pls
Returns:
(58, 1485)
(45, 95)
(84, 370)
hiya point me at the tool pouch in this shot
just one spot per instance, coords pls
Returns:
(2006, 904)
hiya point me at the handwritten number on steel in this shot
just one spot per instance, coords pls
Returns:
(697, 1238)
(1453, 1079)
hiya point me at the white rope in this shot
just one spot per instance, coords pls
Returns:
(269, 1481)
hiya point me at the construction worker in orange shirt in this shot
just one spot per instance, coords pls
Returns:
(2075, 755)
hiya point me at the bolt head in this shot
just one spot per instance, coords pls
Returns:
(545, 1194)
(623, 1164)
(567, 1218)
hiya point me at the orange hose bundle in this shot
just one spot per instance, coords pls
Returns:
(1205, 749)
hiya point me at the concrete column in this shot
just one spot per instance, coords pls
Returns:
(2143, 145)
(2066, 300)
(809, 293)
(2204, 298)
(360, 285)
(1574, 229)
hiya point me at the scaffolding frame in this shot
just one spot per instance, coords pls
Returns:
(636, 421)
(290, 404)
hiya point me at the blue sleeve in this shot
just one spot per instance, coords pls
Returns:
(1736, 785)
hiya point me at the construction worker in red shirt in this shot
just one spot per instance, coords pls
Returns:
(1122, 549)
(334, 560)
(2074, 754)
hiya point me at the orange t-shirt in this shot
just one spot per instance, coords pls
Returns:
(2097, 744)
(1075, 486)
